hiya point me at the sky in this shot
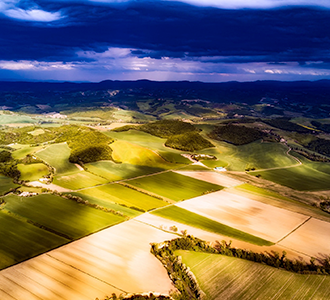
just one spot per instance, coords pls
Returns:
(195, 40)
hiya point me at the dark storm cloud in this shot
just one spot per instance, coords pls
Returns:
(165, 29)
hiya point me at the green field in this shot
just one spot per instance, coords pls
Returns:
(184, 216)
(254, 155)
(57, 156)
(126, 152)
(302, 178)
(12, 119)
(20, 240)
(223, 277)
(32, 172)
(61, 215)
(174, 186)
(6, 184)
(107, 204)
(113, 171)
(25, 150)
(117, 193)
(78, 180)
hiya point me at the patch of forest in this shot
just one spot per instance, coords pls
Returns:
(191, 141)
(237, 135)
(285, 124)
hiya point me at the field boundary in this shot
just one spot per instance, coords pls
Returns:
(292, 231)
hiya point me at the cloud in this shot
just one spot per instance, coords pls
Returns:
(33, 65)
(232, 4)
(12, 9)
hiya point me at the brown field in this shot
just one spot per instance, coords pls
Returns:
(116, 259)
(212, 177)
(259, 219)
(312, 238)
(50, 186)
(165, 224)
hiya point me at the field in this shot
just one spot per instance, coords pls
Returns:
(256, 218)
(311, 238)
(116, 171)
(302, 178)
(57, 156)
(6, 184)
(107, 204)
(212, 177)
(174, 186)
(20, 240)
(15, 119)
(126, 152)
(193, 219)
(33, 171)
(78, 180)
(24, 150)
(61, 215)
(117, 193)
(115, 260)
(254, 155)
(234, 278)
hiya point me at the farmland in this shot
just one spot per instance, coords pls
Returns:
(174, 186)
(256, 218)
(20, 240)
(117, 171)
(234, 278)
(302, 178)
(6, 184)
(117, 193)
(62, 216)
(192, 219)
(78, 180)
(57, 156)
(33, 171)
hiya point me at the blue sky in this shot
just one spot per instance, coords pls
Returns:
(204, 40)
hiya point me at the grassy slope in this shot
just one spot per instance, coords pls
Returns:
(222, 277)
(174, 186)
(126, 152)
(117, 193)
(6, 184)
(25, 150)
(258, 155)
(20, 240)
(57, 156)
(189, 218)
(62, 215)
(32, 172)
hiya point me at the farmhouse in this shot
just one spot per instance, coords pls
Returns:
(27, 194)
(221, 169)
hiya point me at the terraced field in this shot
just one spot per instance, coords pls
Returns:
(57, 156)
(117, 193)
(174, 186)
(33, 171)
(222, 277)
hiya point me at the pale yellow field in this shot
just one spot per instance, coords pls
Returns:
(212, 177)
(116, 259)
(165, 224)
(311, 238)
(262, 220)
